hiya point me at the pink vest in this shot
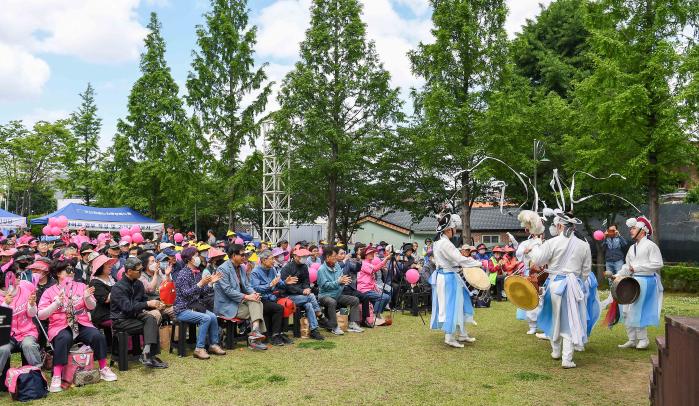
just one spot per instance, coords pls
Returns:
(365, 278)
(80, 239)
(58, 320)
(22, 325)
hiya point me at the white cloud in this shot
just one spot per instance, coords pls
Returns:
(281, 27)
(41, 114)
(22, 75)
(94, 31)
(520, 11)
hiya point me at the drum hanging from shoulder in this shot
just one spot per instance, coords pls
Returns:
(476, 278)
(521, 292)
(625, 290)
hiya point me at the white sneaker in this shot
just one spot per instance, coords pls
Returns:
(555, 355)
(107, 375)
(642, 344)
(579, 348)
(568, 364)
(531, 331)
(628, 344)
(337, 331)
(55, 384)
(354, 328)
(465, 338)
(379, 322)
(541, 336)
(453, 343)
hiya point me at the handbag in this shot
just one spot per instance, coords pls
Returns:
(343, 321)
(305, 327)
(167, 293)
(26, 383)
(81, 359)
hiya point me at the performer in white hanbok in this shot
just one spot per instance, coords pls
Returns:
(534, 227)
(643, 263)
(564, 316)
(451, 301)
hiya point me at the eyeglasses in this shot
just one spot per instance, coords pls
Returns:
(70, 270)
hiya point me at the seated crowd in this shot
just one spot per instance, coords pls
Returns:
(73, 289)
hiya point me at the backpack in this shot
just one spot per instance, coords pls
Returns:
(288, 305)
(26, 383)
(80, 367)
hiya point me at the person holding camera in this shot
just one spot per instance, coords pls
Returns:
(614, 245)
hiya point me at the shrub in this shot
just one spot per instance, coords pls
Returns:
(681, 278)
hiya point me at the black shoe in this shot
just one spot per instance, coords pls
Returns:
(315, 334)
(286, 339)
(277, 340)
(151, 363)
(323, 323)
(157, 359)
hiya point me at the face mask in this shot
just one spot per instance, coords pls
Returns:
(153, 266)
(197, 261)
(304, 259)
(553, 230)
(163, 266)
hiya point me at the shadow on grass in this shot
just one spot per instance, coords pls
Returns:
(531, 376)
(318, 345)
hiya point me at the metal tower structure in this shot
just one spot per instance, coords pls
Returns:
(276, 201)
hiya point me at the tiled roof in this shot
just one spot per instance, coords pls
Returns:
(484, 219)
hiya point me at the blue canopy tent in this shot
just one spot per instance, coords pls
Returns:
(11, 220)
(102, 218)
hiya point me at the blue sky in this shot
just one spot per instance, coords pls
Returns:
(49, 51)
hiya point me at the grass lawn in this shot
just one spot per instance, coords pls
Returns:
(402, 364)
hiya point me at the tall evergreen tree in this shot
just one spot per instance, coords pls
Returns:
(634, 103)
(337, 116)
(222, 80)
(82, 156)
(164, 157)
(461, 69)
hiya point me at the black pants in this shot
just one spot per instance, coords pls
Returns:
(87, 335)
(273, 312)
(146, 323)
(499, 287)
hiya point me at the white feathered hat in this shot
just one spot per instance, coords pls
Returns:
(531, 221)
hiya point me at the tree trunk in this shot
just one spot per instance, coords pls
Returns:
(466, 208)
(653, 204)
(332, 207)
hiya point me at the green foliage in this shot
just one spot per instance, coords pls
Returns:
(223, 75)
(82, 155)
(156, 160)
(631, 104)
(461, 69)
(681, 278)
(30, 160)
(336, 118)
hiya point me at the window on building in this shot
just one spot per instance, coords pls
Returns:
(490, 239)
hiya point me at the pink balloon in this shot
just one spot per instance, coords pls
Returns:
(178, 257)
(47, 230)
(315, 266)
(62, 221)
(56, 231)
(126, 238)
(598, 235)
(124, 232)
(313, 274)
(52, 221)
(137, 238)
(239, 241)
(178, 238)
(135, 229)
(412, 276)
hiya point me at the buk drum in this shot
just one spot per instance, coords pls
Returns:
(625, 290)
(521, 292)
(476, 278)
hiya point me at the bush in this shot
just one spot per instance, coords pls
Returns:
(681, 278)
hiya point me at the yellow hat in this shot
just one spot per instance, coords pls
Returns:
(339, 244)
(203, 246)
(250, 248)
(253, 258)
(230, 234)
(179, 248)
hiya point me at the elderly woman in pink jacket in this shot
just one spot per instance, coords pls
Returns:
(67, 306)
(20, 296)
(366, 282)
